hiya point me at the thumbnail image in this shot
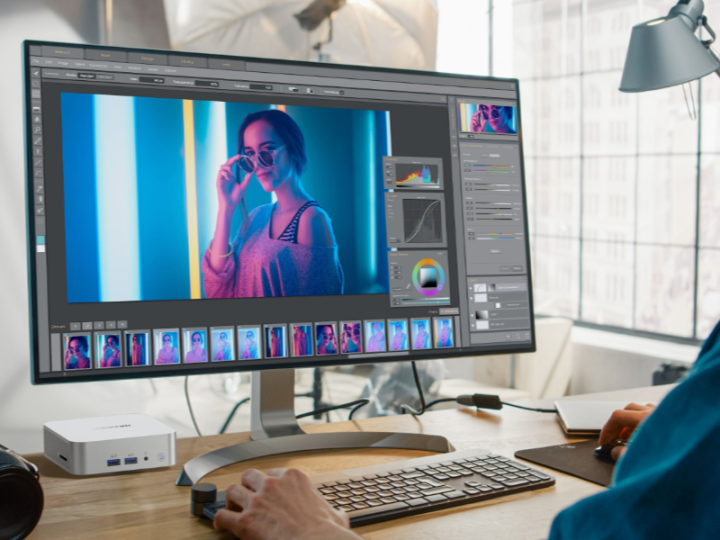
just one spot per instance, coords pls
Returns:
(326, 338)
(351, 337)
(302, 339)
(275, 341)
(108, 350)
(375, 336)
(194, 342)
(249, 342)
(223, 344)
(420, 329)
(398, 334)
(443, 332)
(77, 351)
(485, 118)
(167, 346)
(137, 348)
(263, 144)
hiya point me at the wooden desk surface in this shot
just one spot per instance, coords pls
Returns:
(148, 505)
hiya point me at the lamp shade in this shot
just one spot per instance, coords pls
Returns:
(662, 53)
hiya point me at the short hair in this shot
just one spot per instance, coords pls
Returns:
(286, 128)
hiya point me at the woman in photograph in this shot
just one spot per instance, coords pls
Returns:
(376, 342)
(275, 345)
(422, 338)
(110, 353)
(445, 338)
(250, 351)
(299, 341)
(350, 340)
(327, 341)
(286, 248)
(76, 355)
(138, 351)
(224, 350)
(497, 117)
(168, 354)
(197, 351)
(399, 342)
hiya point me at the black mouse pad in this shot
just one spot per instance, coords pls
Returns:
(575, 459)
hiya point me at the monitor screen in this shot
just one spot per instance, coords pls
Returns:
(196, 214)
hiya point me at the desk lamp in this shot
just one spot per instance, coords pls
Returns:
(666, 52)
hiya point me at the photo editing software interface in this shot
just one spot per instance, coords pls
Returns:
(194, 214)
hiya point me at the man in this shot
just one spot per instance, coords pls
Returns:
(664, 486)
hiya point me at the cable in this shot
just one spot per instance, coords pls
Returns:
(354, 410)
(232, 414)
(333, 408)
(486, 401)
(192, 414)
(408, 408)
(530, 408)
(443, 400)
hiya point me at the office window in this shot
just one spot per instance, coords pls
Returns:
(621, 235)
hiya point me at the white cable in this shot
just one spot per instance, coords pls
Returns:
(192, 415)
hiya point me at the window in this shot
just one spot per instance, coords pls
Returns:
(623, 189)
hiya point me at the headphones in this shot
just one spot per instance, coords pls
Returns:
(21, 497)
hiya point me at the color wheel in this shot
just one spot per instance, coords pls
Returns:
(440, 281)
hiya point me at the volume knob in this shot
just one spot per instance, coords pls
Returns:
(202, 494)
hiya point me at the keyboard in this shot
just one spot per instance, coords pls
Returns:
(417, 486)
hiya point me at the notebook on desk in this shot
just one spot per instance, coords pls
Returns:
(579, 417)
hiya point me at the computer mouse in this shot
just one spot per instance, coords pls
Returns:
(605, 453)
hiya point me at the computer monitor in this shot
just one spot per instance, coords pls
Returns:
(196, 214)
(144, 262)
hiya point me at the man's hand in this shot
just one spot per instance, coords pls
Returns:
(280, 505)
(622, 424)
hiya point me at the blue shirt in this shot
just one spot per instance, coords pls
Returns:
(667, 485)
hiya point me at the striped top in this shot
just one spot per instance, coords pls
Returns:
(290, 232)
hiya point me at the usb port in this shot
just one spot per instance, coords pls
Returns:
(113, 462)
(62, 457)
(130, 461)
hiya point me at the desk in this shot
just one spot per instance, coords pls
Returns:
(148, 505)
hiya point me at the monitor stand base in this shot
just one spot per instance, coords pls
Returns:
(274, 430)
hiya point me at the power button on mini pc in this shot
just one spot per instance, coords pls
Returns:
(161, 457)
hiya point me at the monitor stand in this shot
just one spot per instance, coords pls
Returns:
(274, 430)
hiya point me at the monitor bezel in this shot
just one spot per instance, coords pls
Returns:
(213, 368)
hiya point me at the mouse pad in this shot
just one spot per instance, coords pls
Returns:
(575, 459)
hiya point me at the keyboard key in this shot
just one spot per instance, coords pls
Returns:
(387, 500)
(465, 473)
(342, 488)
(484, 489)
(522, 474)
(360, 506)
(471, 491)
(532, 478)
(459, 461)
(384, 494)
(511, 477)
(397, 471)
(345, 508)
(414, 495)
(441, 477)
(490, 468)
(412, 482)
(398, 491)
(411, 489)
(435, 491)
(402, 498)
(496, 486)
(357, 491)
(436, 498)
(473, 483)
(456, 467)
(355, 485)
(331, 497)
(394, 478)
(381, 481)
(410, 470)
(513, 483)
(454, 495)
(369, 483)
(327, 491)
(371, 490)
(357, 499)
(370, 477)
(330, 484)
(377, 509)
(409, 476)
(374, 503)
(371, 496)
(417, 502)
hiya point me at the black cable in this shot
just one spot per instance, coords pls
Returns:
(530, 408)
(443, 400)
(333, 408)
(408, 408)
(354, 410)
(232, 413)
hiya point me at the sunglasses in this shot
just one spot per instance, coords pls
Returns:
(264, 158)
(488, 113)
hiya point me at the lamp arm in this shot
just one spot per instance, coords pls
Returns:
(709, 42)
